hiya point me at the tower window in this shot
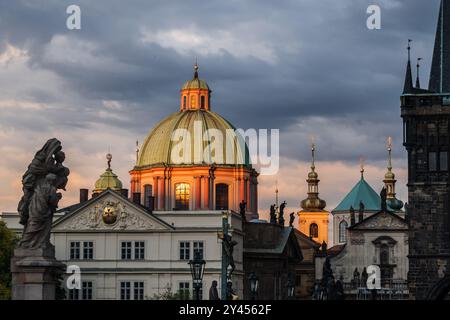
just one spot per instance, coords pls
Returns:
(202, 102)
(182, 196)
(193, 101)
(432, 165)
(443, 161)
(314, 230)
(147, 194)
(342, 232)
(221, 196)
(184, 102)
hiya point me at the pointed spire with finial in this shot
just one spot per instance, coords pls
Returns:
(408, 87)
(418, 77)
(389, 181)
(137, 151)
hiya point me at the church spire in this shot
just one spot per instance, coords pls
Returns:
(408, 87)
(389, 181)
(313, 202)
(418, 77)
(440, 66)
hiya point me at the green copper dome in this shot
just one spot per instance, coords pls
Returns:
(108, 180)
(195, 84)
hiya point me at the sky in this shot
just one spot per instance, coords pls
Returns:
(308, 68)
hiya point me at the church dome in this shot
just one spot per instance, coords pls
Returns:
(195, 83)
(158, 148)
(108, 180)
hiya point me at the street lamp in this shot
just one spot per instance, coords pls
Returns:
(290, 288)
(254, 281)
(197, 268)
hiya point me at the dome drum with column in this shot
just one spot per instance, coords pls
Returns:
(204, 174)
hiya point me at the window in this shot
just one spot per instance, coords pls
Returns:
(126, 250)
(184, 102)
(132, 250)
(86, 290)
(443, 161)
(125, 291)
(185, 248)
(193, 101)
(221, 196)
(139, 250)
(88, 250)
(138, 291)
(184, 290)
(198, 248)
(148, 192)
(432, 165)
(75, 250)
(384, 254)
(202, 102)
(342, 231)
(182, 195)
(314, 230)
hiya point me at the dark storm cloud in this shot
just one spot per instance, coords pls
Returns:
(285, 62)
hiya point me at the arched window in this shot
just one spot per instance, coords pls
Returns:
(193, 101)
(313, 230)
(184, 102)
(202, 102)
(342, 231)
(384, 254)
(182, 196)
(147, 194)
(221, 196)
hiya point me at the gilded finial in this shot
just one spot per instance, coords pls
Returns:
(409, 49)
(137, 150)
(196, 68)
(389, 149)
(361, 164)
(313, 150)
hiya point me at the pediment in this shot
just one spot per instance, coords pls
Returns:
(109, 211)
(382, 221)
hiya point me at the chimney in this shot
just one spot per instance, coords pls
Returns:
(151, 203)
(124, 193)
(84, 195)
(137, 198)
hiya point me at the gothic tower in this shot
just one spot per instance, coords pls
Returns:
(313, 219)
(426, 124)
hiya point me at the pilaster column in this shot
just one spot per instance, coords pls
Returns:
(205, 192)
(197, 193)
(162, 192)
(155, 192)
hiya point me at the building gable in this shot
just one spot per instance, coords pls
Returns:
(382, 220)
(109, 212)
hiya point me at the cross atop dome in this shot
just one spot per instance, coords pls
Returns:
(195, 93)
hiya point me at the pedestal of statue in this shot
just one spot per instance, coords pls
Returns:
(35, 274)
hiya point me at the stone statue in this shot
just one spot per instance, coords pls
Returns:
(45, 175)
(213, 293)
(291, 219)
(281, 213)
(383, 196)
(356, 278)
(324, 248)
(364, 277)
(35, 271)
(242, 207)
(352, 216)
(228, 248)
(361, 211)
(273, 216)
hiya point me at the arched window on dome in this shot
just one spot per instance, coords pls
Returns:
(193, 101)
(182, 196)
(221, 196)
(343, 231)
(184, 102)
(313, 230)
(148, 192)
(202, 102)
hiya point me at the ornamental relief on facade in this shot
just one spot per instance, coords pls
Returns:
(384, 222)
(109, 215)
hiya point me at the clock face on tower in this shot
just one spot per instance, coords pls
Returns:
(109, 215)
